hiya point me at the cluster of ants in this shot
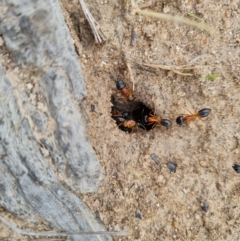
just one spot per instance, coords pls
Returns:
(128, 112)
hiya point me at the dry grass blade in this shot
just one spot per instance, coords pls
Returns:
(97, 31)
(175, 19)
(172, 68)
(131, 74)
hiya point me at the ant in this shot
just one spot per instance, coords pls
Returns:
(126, 125)
(153, 119)
(116, 114)
(122, 120)
(187, 118)
(146, 119)
(127, 93)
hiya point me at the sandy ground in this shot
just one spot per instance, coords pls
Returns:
(139, 193)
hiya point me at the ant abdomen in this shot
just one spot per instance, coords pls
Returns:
(204, 112)
(166, 122)
(180, 120)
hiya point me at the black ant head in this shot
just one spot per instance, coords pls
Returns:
(180, 120)
(120, 84)
(126, 115)
(120, 119)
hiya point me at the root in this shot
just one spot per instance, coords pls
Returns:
(97, 31)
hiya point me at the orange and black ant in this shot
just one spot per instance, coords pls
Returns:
(181, 120)
(126, 125)
(127, 93)
(123, 120)
(154, 120)
(116, 114)
(128, 114)
(146, 119)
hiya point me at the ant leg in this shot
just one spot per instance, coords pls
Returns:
(114, 89)
(153, 112)
(150, 123)
(142, 125)
(189, 111)
(154, 125)
(132, 129)
(120, 124)
(201, 119)
(116, 115)
(115, 126)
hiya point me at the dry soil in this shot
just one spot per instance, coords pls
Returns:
(138, 192)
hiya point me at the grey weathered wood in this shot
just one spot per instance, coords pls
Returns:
(37, 37)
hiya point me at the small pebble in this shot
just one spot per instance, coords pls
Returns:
(92, 108)
(161, 179)
(166, 9)
(96, 203)
(29, 86)
(236, 168)
(134, 36)
(16, 70)
(40, 106)
(155, 158)
(197, 216)
(32, 97)
(172, 166)
(175, 224)
(149, 31)
(203, 163)
(185, 190)
(219, 186)
(205, 206)
(138, 215)
(44, 151)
